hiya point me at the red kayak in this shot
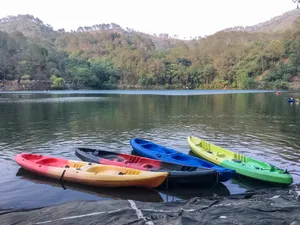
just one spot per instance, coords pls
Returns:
(89, 173)
(177, 173)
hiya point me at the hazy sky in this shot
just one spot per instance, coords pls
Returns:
(183, 18)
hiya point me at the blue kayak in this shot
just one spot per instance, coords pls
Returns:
(155, 151)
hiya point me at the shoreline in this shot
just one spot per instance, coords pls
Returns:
(266, 206)
(42, 85)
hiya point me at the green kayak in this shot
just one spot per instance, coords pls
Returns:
(240, 163)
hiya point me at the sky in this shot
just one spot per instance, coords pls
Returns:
(188, 18)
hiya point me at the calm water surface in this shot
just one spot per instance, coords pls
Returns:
(258, 124)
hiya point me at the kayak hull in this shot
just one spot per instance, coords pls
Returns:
(176, 173)
(242, 164)
(88, 173)
(154, 151)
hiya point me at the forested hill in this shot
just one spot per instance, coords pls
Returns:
(276, 24)
(106, 56)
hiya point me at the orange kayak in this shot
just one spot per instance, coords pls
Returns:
(89, 173)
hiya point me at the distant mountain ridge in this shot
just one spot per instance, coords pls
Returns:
(32, 26)
(29, 25)
(275, 24)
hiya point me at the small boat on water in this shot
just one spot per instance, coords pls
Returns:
(89, 173)
(240, 163)
(154, 151)
(176, 173)
(293, 99)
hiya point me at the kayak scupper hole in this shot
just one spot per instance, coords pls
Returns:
(147, 166)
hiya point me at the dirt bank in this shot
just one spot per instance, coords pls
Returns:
(270, 206)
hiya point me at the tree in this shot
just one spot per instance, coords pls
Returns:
(57, 82)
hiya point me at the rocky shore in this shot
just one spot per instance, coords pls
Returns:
(268, 206)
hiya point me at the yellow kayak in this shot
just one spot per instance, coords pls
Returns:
(89, 173)
(242, 164)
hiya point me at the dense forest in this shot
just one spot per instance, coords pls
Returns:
(106, 56)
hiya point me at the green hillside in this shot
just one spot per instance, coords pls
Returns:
(106, 56)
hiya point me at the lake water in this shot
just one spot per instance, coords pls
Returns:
(258, 124)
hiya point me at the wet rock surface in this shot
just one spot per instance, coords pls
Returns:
(270, 206)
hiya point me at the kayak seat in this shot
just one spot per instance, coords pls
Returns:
(179, 157)
(49, 161)
(141, 142)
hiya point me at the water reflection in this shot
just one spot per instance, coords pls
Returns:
(186, 193)
(85, 192)
(133, 193)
